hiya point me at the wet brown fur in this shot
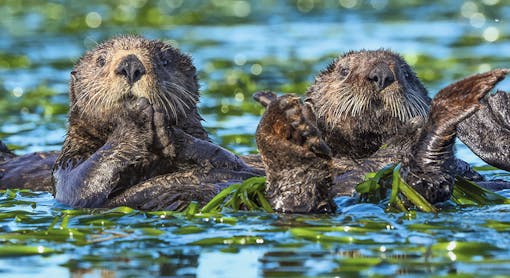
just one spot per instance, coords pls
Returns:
(366, 125)
(355, 116)
(134, 129)
(97, 94)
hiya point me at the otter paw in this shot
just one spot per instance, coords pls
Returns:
(163, 141)
(135, 127)
(140, 112)
(291, 120)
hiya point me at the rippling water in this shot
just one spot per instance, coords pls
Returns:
(240, 47)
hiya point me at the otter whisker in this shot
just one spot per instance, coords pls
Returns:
(183, 89)
(401, 108)
(177, 95)
(347, 106)
(176, 100)
(358, 106)
(395, 110)
(95, 100)
(409, 110)
(168, 99)
(161, 102)
(183, 93)
(413, 107)
(178, 106)
(181, 103)
(420, 107)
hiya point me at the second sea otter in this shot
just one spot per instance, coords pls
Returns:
(366, 110)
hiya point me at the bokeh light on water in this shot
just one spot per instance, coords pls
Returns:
(241, 47)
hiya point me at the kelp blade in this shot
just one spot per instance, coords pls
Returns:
(466, 192)
(248, 194)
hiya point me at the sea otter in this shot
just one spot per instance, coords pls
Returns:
(135, 135)
(366, 110)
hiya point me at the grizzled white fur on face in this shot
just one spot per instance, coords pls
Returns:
(349, 88)
(167, 78)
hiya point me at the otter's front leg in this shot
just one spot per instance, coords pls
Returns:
(296, 159)
(89, 182)
(487, 132)
(430, 167)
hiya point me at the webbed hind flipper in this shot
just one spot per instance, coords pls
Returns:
(430, 167)
(296, 158)
(487, 132)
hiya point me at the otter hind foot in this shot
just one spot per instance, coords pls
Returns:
(264, 97)
(461, 99)
(430, 167)
(163, 141)
(487, 132)
(296, 158)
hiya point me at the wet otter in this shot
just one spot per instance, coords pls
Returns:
(363, 99)
(135, 134)
(141, 151)
(365, 110)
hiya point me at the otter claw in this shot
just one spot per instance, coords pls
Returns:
(264, 97)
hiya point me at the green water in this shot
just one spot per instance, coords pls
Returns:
(240, 47)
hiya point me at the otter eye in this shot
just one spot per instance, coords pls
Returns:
(406, 74)
(344, 72)
(100, 61)
(165, 62)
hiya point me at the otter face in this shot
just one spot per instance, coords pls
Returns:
(370, 86)
(129, 67)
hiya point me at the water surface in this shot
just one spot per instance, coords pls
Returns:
(240, 47)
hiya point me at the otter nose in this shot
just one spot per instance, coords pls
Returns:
(381, 75)
(131, 68)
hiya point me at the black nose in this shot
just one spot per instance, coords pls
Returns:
(131, 68)
(381, 75)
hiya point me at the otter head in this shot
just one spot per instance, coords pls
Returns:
(363, 98)
(129, 67)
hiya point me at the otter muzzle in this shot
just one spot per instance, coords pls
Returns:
(131, 68)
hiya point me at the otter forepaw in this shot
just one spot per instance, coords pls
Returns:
(163, 140)
(140, 112)
(499, 105)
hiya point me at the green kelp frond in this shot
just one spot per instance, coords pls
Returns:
(376, 185)
(466, 192)
(248, 195)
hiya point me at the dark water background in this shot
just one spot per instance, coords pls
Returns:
(240, 47)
